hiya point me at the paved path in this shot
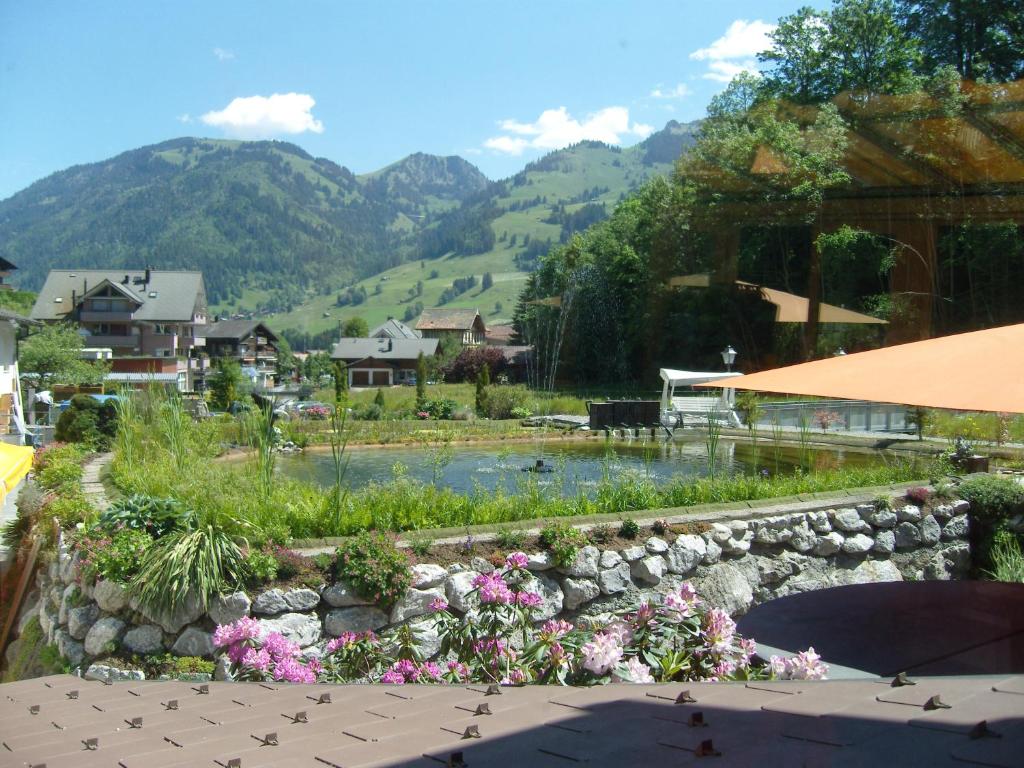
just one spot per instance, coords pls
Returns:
(91, 485)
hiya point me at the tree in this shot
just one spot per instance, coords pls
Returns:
(286, 362)
(797, 57)
(378, 399)
(487, 281)
(340, 383)
(355, 328)
(225, 383)
(483, 381)
(421, 382)
(54, 354)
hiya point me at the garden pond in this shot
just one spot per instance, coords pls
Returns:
(569, 466)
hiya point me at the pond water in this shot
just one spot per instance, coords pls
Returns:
(575, 465)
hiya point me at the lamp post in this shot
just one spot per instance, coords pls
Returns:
(728, 357)
(840, 352)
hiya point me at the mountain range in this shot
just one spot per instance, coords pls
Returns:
(278, 231)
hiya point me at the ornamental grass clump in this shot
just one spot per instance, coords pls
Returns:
(679, 640)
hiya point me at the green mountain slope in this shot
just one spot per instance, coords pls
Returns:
(250, 215)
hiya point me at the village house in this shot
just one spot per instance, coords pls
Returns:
(250, 343)
(150, 319)
(381, 362)
(467, 324)
(393, 329)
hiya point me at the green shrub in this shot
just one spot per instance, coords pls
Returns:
(372, 412)
(1007, 558)
(659, 527)
(61, 473)
(420, 545)
(441, 409)
(70, 509)
(602, 533)
(511, 539)
(629, 529)
(562, 541)
(993, 498)
(116, 558)
(882, 502)
(87, 420)
(260, 568)
(375, 567)
(146, 513)
(501, 401)
(519, 412)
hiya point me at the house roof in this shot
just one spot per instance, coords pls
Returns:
(168, 296)
(394, 329)
(383, 349)
(235, 330)
(501, 334)
(789, 722)
(448, 319)
(6, 314)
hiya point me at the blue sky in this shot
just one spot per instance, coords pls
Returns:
(363, 84)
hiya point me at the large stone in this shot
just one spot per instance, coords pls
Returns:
(72, 650)
(720, 533)
(885, 542)
(738, 546)
(908, 535)
(194, 642)
(144, 640)
(356, 619)
(960, 506)
(69, 599)
(415, 602)
(959, 558)
(858, 544)
(584, 565)
(880, 518)
(773, 530)
(227, 609)
(956, 528)
(804, 538)
(908, 514)
(632, 554)
(931, 532)
(849, 521)
(868, 572)
(301, 628)
(81, 619)
(656, 546)
(725, 587)
(686, 553)
(578, 591)
(649, 570)
(110, 596)
(103, 636)
(460, 591)
(186, 610)
(612, 581)
(480, 565)
(341, 594)
(714, 553)
(772, 570)
(301, 599)
(609, 559)
(269, 602)
(828, 544)
(428, 642)
(738, 528)
(943, 511)
(551, 595)
(426, 575)
(539, 561)
(818, 521)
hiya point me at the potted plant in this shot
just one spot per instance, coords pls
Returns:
(965, 459)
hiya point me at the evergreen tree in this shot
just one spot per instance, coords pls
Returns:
(224, 383)
(483, 381)
(421, 382)
(378, 399)
(340, 383)
(355, 328)
(487, 281)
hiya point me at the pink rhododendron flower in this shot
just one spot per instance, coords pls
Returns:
(514, 677)
(553, 629)
(430, 670)
(529, 599)
(620, 630)
(438, 604)
(279, 647)
(291, 670)
(246, 628)
(718, 631)
(256, 659)
(723, 668)
(682, 603)
(747, 648)
(393, 677)
(601, 653)
(492, 589)
(517, 560)
(635, 671)
(459, 670)
(806, 665)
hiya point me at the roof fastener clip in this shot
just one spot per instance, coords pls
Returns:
(171, 704)
(901, 679)
(981, 731)
(456, 760)
(300, 717)
(235, 762)
(483, 709)
(91, 744)
(707, 749)
(325, 698)
(697, 720)
(203, 689)
(72, 694)
(135, 722)
(33, 709)
(471, 732)
(270, 740)
(685, 698)
(935, 702)
(493, 690)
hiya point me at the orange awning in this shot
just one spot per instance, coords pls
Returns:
(977, 371)
(789, 308)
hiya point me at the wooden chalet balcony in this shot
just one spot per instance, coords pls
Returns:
(95, 316)
(112, 341)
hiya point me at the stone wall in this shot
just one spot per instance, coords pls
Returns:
(741, 560)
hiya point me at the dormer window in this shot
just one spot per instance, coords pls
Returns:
(58, 300)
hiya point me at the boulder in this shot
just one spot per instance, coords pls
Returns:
(908, 514)
(818, 521)
(301, 628)
(686, 553)
(68, 600)
(849, 521)
(609, 559)
(930, 529)
(460, 592)
(81, 619)
(720, 533)
(632, 554)
(415, 602)
(612, 581)
(144, 640)
(828, 544)
(186, 610)
(868, 572)
(738, 546)
(72, 650)
(269, 602)
(656, 546)
(738, 528)
(885, 542)
(648, 570)
(585, 564)
(725, 587)
(539, 561)
(227, 609)
(341, 594)
(943, 511)
(714, 553)
(959, 557)
(578, 591)
(193, 642)
(773, 530)
(858, 544)
(103, 636)
(772, 570)
(480, 565)
(956, 527)
(426, 575)
(879, 518)
(110, 596)
(551, 595)
(355, 619)
(908, 535)
(301, 599)
(428, 642)
(960, 506)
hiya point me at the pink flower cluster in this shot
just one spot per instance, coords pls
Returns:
(718, 631)
(601, 653)
(633, 671)
(265, 654)
(493, 589)
(681, 604)
(517, 560)
(553, 629)
(438, 604)
(346, 639)
(806, 665)
(406, 671)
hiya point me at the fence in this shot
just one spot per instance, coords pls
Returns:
(850, 415)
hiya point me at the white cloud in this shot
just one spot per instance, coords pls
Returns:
(263, 116)
(736, 51)
(556, 128)
(184, 118)
(223, 54)
(678, 92)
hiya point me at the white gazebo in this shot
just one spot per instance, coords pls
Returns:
(675, 409)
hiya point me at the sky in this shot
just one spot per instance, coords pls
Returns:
(363, 84)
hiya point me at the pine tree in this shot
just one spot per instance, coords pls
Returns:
(483, 381)
(379, 398)
(340, 383)
(421, 383)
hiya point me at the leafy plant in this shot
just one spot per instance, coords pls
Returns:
(602, 533)
(563, 541)
(420, 545)
(918, 495)
(117, 558)
(260, 568)
(659, 527)
(519, 412)
(993, 498)
(377, 569)
(510, 539)
(89, 421)
(154, 515)
(70, 508)
(1007, 558)
(629, 529)
(882, 502)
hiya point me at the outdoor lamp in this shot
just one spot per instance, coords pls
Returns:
(728, 357)
(840, 352)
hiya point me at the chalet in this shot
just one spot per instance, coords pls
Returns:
(467, 323)
(252, 344)
(5, 272)
(500, 335)
(393, 329)
(381, 362)
(141, 315)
